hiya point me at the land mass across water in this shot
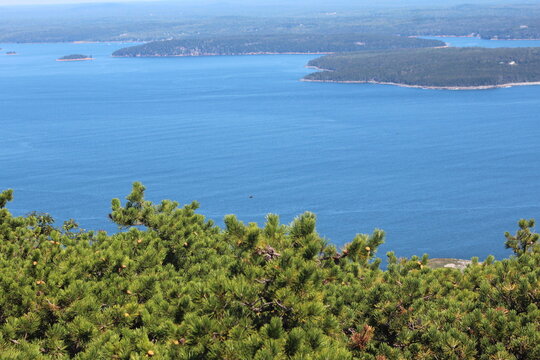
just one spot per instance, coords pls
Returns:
(441, 68)
(274, 44)
(368, 58)
(169, 20)
(75, 57)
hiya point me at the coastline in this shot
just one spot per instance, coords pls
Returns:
(317, 68)
(146, 41)
(514, 39)
(446, 36)
(218, 54)
(83, 59)
(482, 87)
(471, 36)
(105, 42)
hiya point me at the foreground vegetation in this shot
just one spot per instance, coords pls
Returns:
(446, 67)
(175, 286)
(274, 44)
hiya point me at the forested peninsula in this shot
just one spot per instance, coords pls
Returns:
(172, 285)
(274, 44)
(442, 68)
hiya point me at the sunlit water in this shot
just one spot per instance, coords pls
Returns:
(443, 172)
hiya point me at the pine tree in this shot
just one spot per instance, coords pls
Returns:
(173, 285)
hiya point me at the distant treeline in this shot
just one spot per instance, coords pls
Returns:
(75, 57)
(495, 21)
(446, 67)
(239, 45)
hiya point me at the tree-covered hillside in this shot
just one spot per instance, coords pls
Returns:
(172, 285)
(169, 20)
(275, 44)
(444, 68)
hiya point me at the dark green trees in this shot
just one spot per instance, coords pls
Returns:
(178, 287)
(75, 57)
(274, 44)
(467, 67)
(524, 240)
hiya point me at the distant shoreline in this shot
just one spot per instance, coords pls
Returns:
(83, 59)
(103, 42)
(147, 41)
(317, 68)
(514, 39)
(470, 36)
(216, 54)
(446, 36)
(425, 87)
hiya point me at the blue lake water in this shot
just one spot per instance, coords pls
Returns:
(443, 172)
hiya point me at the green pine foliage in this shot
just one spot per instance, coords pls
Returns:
(173, 285)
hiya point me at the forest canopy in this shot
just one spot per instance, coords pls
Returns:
(171, 20)
(75, 57)
(274, 44)
(443, 67)
(173, 285)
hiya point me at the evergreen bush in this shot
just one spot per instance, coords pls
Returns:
(173, 285)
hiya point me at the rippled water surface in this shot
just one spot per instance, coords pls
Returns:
(443, 172)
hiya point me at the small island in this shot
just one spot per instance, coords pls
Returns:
(437, 68)
(76, 57)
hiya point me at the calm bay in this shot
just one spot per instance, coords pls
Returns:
(442, 172)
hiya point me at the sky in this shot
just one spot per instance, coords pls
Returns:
(397, 2)
(353, 3)
(46, 2)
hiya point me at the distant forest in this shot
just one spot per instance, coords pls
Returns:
(75, 57)
(448, 67)
(240, 45)
(123, 22)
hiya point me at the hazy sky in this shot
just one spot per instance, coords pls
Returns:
(364, 2)
(43, 2)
